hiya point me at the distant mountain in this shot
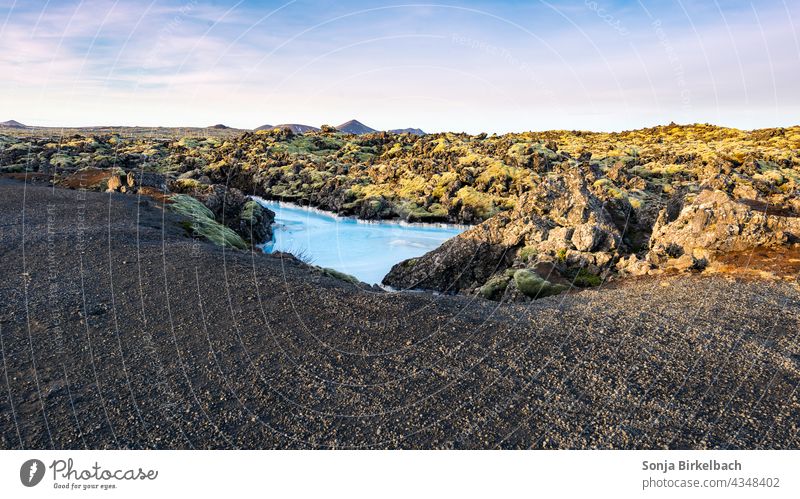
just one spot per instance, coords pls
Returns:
(12, 124)
(294, 127)
(412, 131)
(219, 126)
(355, 127)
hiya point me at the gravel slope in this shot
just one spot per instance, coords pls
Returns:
(120, 332)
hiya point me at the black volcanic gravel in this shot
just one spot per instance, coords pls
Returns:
(119, 331)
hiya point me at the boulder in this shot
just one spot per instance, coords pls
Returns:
(587, 237)
(255, 222)
(712, 223)
(138, 179)
(191, 174)
(686, 262)
(375, 208)
(632, 265)
(496, 286)
(459, 264)
(225, 202)
(560, 237)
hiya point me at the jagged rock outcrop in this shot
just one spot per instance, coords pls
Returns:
(255, 222)
(712, 223)
(560, 221)
(235, 210)
(460, 263)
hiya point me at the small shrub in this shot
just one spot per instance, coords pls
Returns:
(303, 255)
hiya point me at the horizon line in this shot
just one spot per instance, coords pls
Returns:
(227, 127)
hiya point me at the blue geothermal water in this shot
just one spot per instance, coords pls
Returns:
(366, 250)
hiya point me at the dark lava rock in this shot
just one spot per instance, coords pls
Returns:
(553, 220)
(712, 223)
(139, 179)
(458, 264)
(234, 209)
(255, 222)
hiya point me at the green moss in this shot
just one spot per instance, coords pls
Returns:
(561, 255)
(527, 253)
(636, 203)
(61, 161)
(189, 206)
(188, 143)
(188, 184)
(765, 166)
(608, 186)
(203, 224)
(480, 202)
(533, 286)
(416, 213)
(673, 169)
(251, 211)
(437, 210)
(585, 279)
(774, 176)
(395, 150)
(339, 275)
(494, 288)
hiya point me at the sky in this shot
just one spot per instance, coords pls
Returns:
(477, 66)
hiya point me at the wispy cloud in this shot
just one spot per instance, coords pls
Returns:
(604, 64)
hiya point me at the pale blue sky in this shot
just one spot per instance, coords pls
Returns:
(459, 66)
